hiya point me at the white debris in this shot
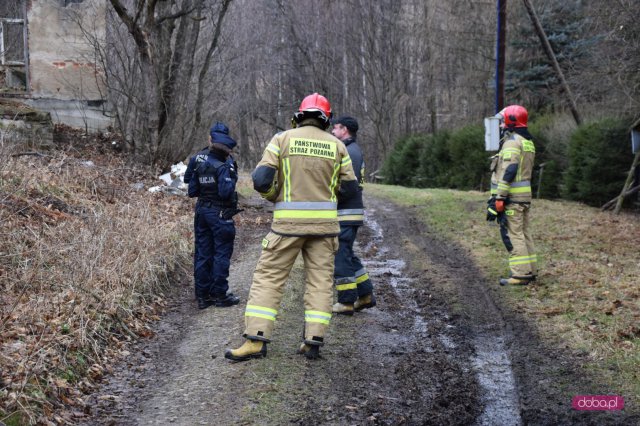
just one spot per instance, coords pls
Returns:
(173, 181)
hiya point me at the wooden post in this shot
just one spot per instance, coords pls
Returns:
(627, 183)
(552, 57)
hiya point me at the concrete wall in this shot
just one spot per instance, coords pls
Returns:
(65, 76)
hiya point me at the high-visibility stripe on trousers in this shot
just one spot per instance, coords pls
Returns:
(352, 279)
(278, 256)
(523, 261)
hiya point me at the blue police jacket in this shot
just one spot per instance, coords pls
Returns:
(214, 180)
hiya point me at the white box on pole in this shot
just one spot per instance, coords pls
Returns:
(491, 133)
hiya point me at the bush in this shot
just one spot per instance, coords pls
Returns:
(470, 165)
(449, 160)
(401, 167)
(599, 160)
(435, 162)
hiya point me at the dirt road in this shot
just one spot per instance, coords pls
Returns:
(438, 349)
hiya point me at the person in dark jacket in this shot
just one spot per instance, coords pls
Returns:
(212, 176)
(355, 290)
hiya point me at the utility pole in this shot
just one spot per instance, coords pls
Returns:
(500, 53)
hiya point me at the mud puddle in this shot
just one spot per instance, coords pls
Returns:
(491, 360)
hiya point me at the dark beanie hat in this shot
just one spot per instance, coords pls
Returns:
(349, 122)
(220, 134)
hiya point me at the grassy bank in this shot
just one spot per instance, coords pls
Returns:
(86, 260)
(587, 298)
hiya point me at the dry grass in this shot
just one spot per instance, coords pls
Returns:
(85, 263)
(587, 298)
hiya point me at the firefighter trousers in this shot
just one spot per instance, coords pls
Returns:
(517, 239)
(352, 279)
(278, 256)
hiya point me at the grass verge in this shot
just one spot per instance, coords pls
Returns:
(587, 298)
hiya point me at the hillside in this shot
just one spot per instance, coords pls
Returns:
(98, 325)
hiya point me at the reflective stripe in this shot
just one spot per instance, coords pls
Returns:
(286, 170)
(492, 211)
(260, 312)
(334, 182)
(362, 278)
(274, 149)
(520, 190)
(528, 146)
(305, 205)
(305, 214)
(361, 272)
(346, 160)
(519, 260)
(305, 209)
(348, 286)
(317, 316)
(520, 187)
(351, 218)
(343, 212)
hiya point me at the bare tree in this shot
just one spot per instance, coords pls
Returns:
(162, 81)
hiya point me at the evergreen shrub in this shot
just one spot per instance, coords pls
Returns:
(599, 160)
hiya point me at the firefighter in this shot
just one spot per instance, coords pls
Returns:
(302, 170)
(212, 179)
(355, 291)
(511, 177)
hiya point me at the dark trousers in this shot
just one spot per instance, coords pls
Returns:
(214, 239)
(351, 278)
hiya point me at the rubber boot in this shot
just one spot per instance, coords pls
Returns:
(249, 349)
(309, 351)
(514, 281)
(343, 309)
(365, 302)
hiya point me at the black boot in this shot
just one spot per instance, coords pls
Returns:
(224, 300)
(204, 303)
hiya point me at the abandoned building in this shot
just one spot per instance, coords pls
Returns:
(49, 59)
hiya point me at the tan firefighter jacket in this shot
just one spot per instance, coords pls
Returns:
(514, 168)
(302, 170)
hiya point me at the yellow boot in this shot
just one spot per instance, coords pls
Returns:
(249, 349)
(343, 308)
(309, 351)
(514, 281)
(365, 302)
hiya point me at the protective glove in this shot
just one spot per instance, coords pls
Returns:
(492, 213)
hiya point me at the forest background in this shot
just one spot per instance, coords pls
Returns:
(411, 71)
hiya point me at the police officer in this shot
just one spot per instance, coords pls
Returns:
(355, 291)
(512, 169)
(213, 181)
(302, 170)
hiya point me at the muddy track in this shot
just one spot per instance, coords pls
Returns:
(436, 350)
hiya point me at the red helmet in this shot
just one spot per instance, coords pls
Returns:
(316, 103)
(514, 116)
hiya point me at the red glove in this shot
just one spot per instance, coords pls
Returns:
(499, 206)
